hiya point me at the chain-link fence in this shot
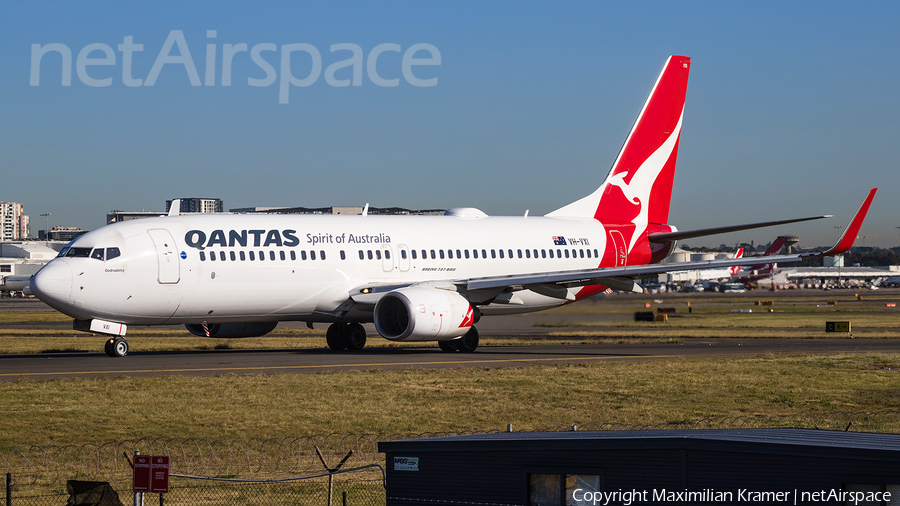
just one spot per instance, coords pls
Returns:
(39, 474)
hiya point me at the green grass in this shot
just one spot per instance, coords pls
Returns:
(70, 411)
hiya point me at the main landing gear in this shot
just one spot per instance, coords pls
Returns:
(345, 336)
(466, 344)
(116, 347)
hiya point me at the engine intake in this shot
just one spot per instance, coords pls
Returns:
(233, 330)
(423, 314)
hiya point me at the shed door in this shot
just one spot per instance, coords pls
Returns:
(167, 256)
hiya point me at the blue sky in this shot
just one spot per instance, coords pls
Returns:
(792, 109)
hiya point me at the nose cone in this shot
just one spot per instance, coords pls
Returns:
(53, 284)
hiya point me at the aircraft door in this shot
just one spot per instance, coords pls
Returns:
(387, 260)
(167, 256)
(621, 250)
(403, 261)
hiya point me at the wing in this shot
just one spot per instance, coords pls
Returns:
(622, 278)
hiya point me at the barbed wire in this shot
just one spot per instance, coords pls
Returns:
(51, 466)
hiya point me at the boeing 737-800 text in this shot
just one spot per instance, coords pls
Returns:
(418, 278)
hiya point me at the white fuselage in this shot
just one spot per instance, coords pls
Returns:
(245, 267)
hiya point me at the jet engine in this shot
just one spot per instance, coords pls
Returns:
(231, 330)
(423, 314)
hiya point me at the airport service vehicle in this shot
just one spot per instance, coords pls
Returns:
(418, 278)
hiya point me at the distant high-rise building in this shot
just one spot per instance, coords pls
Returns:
(14, 223)
(199, 205)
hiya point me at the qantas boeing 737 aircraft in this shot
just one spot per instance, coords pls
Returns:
(418, 278)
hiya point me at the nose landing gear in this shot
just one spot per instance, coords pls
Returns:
(116, 347)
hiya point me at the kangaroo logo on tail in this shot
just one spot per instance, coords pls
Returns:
(638, 189)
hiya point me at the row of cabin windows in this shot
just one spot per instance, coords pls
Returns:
(434, 254)
(528, 253)
(262, 255)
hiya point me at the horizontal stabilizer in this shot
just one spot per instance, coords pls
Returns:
(689, 234)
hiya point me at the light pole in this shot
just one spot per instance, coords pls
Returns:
(46, 228)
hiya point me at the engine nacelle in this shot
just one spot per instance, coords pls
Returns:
(423, 314)
(233, 330)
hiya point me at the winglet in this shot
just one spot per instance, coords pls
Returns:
(849, 235)
(175, 208)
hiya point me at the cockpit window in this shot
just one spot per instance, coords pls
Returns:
(79, 252)
(112, 253)
(97, 254)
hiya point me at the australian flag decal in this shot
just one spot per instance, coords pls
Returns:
(559, 240)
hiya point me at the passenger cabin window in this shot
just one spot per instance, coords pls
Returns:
(262, 255)
(378, 254)
(252, 255)
(343, 256)
(459, 256)
(433, 257)
(510, 253)
(387, 254)
(370, 254)
(272, 256)
(312, 255)
(322, 255)
(233, 256)
(302, 255)
(442, 253)
(222, 256)
(362, 256)
(449, 253)
(494, 253)
(467, 253)
(484, 253)
(293, 255)
(501, 253)
(403, 254)
(203, 256)
(280, 253)
(519, 253)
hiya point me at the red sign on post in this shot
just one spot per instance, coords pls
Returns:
(159, 474)
(141, 477)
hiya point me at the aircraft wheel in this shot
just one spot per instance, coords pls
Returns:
(119, 347)
(335, 337)
(469, 342)
(108, 347)
(355, 336)
(449, 346)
